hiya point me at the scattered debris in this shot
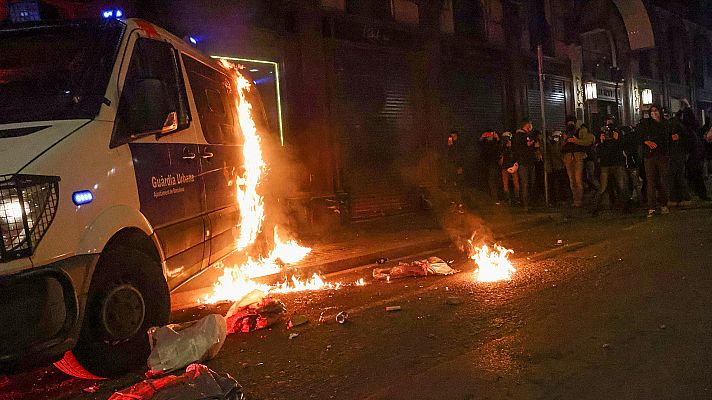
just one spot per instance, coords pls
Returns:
(342, 317)
(293, 335)
(177, 345)
(559, 242)
(663, 326)
(453, 301)
(198, 382)
(431, 266)
(297, 320)
(381, 260)
(393, 308)
(254, 312)
(606, 346)
(92, 389)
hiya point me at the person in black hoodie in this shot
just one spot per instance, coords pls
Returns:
(655, 136)
(611, 156)
(525, 154)
(489, 154)
(679, 147)
(509, 169)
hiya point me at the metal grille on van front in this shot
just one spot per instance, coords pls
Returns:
(28, 204)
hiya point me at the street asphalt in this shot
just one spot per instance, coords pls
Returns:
(611, 307)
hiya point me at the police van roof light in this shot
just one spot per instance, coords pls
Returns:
(82, 197)
(193, 40)
(112, 13)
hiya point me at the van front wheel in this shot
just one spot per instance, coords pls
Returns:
(127, 296)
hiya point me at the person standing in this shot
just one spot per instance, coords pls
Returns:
(555, 167)
(679, 145)
(631, 147)
(455, 173)
(509, 169)
(489, 154)
(611, 156)
(525, 154)
(576, 140)
(655, 137)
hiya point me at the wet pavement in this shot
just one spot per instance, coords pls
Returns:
(618, 309)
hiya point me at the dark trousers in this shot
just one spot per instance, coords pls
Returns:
(558, 186)
(493, 181)
(657, 169)
(695, 176)
(620, 176)
(679, 191)
(527, 179)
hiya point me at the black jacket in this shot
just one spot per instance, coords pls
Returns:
(523, 154)
(678, 148)
(610, 150)
(657, 132)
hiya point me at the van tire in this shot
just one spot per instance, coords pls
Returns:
(128, 295)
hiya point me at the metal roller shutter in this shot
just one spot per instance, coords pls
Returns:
(554, 103)
(473, 103)
(375, 109)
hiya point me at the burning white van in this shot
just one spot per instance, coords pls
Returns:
(119, 154)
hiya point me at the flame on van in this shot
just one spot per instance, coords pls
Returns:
(237, 281)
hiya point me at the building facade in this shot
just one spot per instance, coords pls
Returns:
(369, 89)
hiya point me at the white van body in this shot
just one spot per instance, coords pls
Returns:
(163, 200)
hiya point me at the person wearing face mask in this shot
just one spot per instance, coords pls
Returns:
(555, 168)
(575, 142)
(655, 137)
(611, 156)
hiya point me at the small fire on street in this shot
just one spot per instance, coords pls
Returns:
(493, 265)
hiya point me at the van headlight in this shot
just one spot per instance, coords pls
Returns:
(28, 204)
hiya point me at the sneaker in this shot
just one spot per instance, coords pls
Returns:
(651, 212)
(664, 210)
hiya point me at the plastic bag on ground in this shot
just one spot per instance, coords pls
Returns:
(197, 383)
(247, 317)
(177, 345)
(431, 266)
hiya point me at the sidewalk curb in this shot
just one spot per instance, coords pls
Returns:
(333, 266)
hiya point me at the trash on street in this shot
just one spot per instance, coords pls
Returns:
(453, 301)
(342, 317)
(197, 383)
(430, 266)
(177, 345)
(248, 315)
(393, 308)
(297, 320)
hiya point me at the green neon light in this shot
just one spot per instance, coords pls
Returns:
(279, 93)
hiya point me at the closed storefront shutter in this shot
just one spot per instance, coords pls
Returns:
(554, 103)
(375, 112)
(473, 104)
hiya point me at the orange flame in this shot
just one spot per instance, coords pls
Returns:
(251, 203)
(236, 282)
(492, 265)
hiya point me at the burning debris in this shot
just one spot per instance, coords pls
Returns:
(492, 265)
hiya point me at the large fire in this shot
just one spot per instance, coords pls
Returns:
(492, 265)
(236, 281)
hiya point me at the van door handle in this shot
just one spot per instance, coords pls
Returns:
(188, 155)
(207, 155)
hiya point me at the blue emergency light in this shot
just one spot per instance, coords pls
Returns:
(82, 197)
(192, 40)
(112, 13)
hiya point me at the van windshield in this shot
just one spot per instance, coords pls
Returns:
(56, 72)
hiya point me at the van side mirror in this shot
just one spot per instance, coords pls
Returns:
(145, 108)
